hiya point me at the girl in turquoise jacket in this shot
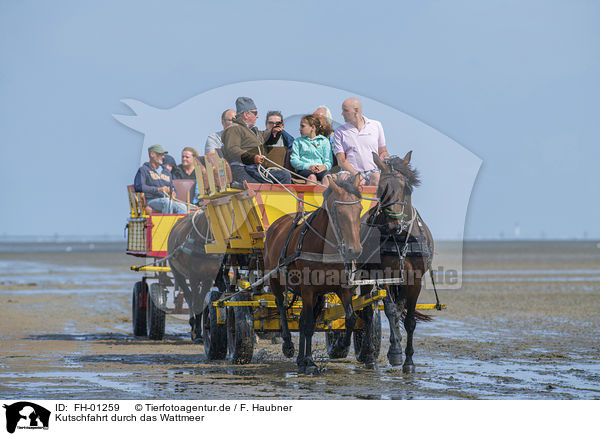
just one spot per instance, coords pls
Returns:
(311, 153)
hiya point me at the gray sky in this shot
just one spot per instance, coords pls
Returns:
(515, 83)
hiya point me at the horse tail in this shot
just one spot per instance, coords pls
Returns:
(419, 316)
(423, 317)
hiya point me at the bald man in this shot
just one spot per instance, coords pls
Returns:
(214, 142)
(355, 141)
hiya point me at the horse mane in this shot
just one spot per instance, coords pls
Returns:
(410, 174)
(346, 183)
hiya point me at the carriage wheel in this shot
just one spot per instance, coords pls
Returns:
(155, 311)
(359, 337)
(240, 331)
(213, 333)
(138, 309)
(330, 339)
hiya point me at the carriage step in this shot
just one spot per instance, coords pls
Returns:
(151, 268)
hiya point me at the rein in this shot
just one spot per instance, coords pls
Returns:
(333, 222)
(299, 254)
(384, 209)
(393, 235)
(205, 237)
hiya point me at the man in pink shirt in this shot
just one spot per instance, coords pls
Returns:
(355, 141)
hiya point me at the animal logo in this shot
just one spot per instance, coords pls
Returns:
(26, 415)
(449, 168)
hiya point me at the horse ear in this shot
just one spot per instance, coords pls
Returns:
(357, 180)
(380, 164)
(333, 184)
(407, 157)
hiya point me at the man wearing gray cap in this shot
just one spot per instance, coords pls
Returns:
(244, 147)
(156, 183)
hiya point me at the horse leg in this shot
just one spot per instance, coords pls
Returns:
(302, 342)
(394, 353)
(308, 329)
(367, 351)
(410, 323)
(287, 347)
(181, 283)
(220, 281)
(350, 320)
(197, 307)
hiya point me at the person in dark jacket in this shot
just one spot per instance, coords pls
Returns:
(169, 163)
(278, 137)
(186, 170)
(244, 147)
(156, 183)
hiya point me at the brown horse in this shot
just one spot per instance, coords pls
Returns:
(396, 244)
(190, 263)
(314, 254)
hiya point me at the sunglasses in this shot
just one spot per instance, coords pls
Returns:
(254, 112)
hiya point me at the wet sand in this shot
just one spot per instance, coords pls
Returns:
(523, 326)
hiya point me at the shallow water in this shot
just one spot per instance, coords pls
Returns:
(524, 326)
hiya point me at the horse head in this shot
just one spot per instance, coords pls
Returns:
(343, 205)
(395, 188)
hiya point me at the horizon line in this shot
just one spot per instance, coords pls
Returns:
(60, 238)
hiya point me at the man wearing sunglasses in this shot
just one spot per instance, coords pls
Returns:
(279, 137)
(244, 147)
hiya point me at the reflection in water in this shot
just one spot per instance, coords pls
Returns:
(504, 335)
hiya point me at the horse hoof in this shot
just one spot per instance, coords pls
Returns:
(408, 369)
(196, 338)
(371, 365)
(310, 367)
(288, 349)
(395, 359)
(301, 369)
(312, 370)
(339, 351)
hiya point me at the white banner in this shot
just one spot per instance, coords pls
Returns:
(297, 417)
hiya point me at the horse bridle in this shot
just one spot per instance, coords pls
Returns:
(385, 208)
(386, 233)
(334, 223)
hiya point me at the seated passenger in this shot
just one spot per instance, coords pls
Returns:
(169, 163)
(244, 147)
(311, 153)
(355, 142)
(324, 115)
(279, 140)
(214, 141)
(278, 137)
(157, 185)
(185, 170)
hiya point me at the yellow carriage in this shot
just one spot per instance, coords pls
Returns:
(238, 221)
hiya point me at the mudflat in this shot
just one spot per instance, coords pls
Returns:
(523, 326)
